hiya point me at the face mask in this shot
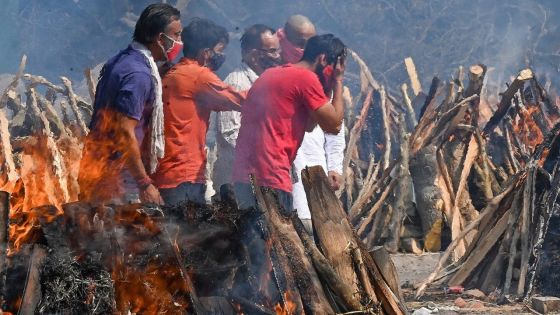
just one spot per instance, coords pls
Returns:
(216, 61)
(173, 51)
(266, 61)
(328, 80)
(290, 53)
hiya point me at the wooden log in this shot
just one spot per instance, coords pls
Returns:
(368, 189)
(476, 79)
(328, 274)
(32, 292)
(90, 83)
(355, 136)
(336, 238)
(364, 69)
(334, 233)
(424, 170)
(10, 90)
(507, 252)
(505, 102)
(56, 158)
(389, 300)
(413, 75)
(430, 102)
(386, 129)
(388, 270)
(478, 254)
(410, 114)
(4, 233)
(455, 216)
(488, 211)
(376, 206)
(403, 198)
(526, 218)
(313, 298)
(73, 101)
(7, 158)
(280, 264)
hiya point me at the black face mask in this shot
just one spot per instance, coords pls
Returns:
(266, 61)
(216, 61)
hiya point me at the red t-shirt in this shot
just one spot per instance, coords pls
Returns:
(273, 121)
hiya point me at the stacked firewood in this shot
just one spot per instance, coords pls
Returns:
(433, 169)
(475, 180)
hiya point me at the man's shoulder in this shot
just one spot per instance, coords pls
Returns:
(130, 62)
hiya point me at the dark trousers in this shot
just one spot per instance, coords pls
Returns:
(246, 198)
(184, 192)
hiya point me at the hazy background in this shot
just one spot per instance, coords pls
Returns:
(62, 37)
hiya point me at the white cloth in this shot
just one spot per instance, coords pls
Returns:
(227, 127)
(317, 148)
(157, 140)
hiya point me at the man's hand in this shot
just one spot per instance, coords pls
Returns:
(151, 195)
(335, 180)
(339, 68)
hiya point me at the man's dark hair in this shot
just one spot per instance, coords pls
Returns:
(251, 39)
(201, 34)
(326, 44)
(154, 20)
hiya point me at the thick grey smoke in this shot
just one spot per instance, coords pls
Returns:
(64, 37)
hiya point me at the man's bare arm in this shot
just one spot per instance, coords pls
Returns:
(131, 150)
(329, 116)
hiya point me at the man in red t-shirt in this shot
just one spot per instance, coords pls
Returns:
(282, 104)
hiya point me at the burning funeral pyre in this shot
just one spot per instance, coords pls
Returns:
(450, 170)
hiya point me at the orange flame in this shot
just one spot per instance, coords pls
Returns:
(527, 130)
(289, 307)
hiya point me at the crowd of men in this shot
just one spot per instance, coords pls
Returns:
(280, 110)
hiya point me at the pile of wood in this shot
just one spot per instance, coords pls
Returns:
(504, 256)
(61, 255)
(440, 158)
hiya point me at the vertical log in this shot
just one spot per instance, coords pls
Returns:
(32, 294)
(386, 129)
(401, 192)
(4, 226)
(413, 75)
(90, 83)
(410, 114)
(69, 91)
(337, 239)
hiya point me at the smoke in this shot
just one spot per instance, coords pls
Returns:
(65, 37)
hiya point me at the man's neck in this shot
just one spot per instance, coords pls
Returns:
(306, 65)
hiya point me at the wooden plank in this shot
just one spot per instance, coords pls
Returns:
(481, 250)
(413, 75)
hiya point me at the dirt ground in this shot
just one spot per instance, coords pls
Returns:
(414, 268)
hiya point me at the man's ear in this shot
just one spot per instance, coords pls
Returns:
(322, 60)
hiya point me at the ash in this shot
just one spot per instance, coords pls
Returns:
(72, 287)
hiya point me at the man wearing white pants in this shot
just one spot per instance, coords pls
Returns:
(317, 148)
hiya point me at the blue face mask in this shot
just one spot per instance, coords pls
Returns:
(216, 61)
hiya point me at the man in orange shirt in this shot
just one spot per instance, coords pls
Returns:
(191, 90)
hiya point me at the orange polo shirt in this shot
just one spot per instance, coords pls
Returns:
(190, 93)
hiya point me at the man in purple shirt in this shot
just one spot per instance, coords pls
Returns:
(126, 136)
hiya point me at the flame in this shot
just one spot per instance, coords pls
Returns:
(289, 307)
(43, 181)
(103, 159)
(156, 288)
(527, 130)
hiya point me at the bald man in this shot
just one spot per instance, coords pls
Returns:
(293, 37)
